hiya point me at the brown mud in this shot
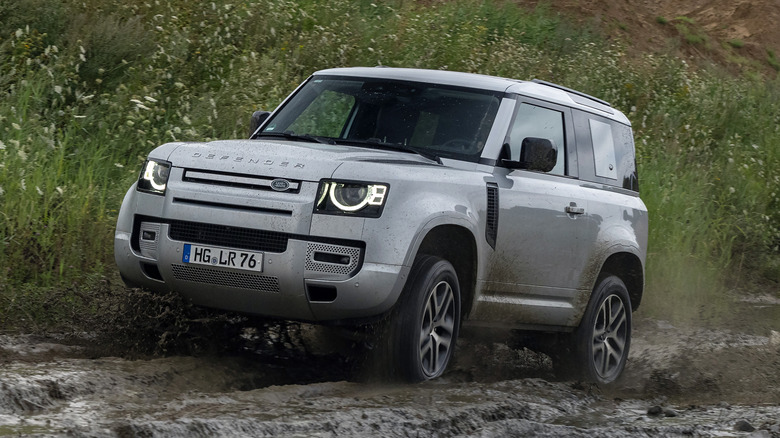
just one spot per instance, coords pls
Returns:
(716, 381)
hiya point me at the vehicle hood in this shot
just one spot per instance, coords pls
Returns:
(283, 159)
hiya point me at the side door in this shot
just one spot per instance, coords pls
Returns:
(535, 270)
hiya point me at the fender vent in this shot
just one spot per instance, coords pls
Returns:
(491, 227)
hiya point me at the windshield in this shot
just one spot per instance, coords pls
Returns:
(430, 119)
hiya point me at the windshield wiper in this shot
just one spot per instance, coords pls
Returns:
(293, 136)
(376, 143)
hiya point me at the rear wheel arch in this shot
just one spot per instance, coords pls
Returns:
(628, 267)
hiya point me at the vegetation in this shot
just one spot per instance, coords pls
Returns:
(90, 86)
(736, 43)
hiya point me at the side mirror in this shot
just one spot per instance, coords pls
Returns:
(535, 154)
(538, 154)
(258, 117)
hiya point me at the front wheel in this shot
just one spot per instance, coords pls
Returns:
(603, 337)
(426, 322)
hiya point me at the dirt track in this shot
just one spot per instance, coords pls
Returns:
(679, 382)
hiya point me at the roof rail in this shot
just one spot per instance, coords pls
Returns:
(569, 90)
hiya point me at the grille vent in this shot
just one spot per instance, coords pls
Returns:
(332, 268)
(491, 227)
(231, 237)
(149, 246)
(218, 277)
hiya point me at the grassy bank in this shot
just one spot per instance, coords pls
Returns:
(89, 87)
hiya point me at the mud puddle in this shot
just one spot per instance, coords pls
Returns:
(679, 382)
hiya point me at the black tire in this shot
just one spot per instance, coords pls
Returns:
(425, 324)
(603, 338)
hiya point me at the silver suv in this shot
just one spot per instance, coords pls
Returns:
(411, 200)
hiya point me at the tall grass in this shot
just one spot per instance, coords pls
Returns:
(89, 87)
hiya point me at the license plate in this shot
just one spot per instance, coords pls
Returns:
(223, 257)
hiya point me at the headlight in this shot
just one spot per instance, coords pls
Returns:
(351, 198)
(154, 176)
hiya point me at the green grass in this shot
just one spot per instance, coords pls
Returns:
(89, 87)
(736, 43)
(771, 58)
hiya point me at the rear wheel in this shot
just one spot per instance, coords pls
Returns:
(425, 325)
(603, 338)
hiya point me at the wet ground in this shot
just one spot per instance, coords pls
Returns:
(679, 382)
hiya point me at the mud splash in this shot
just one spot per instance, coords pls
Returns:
(679, 382)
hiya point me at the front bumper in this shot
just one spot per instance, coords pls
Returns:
(353, 280)
(292, 285)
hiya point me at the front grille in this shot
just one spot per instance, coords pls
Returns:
(219, 277)
(232, 237)
(253, 182)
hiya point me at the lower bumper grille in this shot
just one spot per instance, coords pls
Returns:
(231, 237)
(219, 277)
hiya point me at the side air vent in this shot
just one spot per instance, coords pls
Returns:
(491, 227)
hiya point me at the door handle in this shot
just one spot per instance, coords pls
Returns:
(573, 209)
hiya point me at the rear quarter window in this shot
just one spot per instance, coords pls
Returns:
(606, 151)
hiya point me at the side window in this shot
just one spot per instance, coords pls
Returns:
(535, 121)
(603, 149)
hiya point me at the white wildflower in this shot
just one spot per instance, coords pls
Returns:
(732, 190)
(150, 99)
(136, 101)
(38, 189)
(186, 120)
(142, 106)
(19, 33)
(58, 89)
(2, 145)
(22, 154)
(1, 191)
(14, 142)
(23, 184)
(119, 165)
(60, 190)
(16, 126)
(178, 85)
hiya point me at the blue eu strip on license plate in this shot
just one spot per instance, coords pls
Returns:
(222, 257)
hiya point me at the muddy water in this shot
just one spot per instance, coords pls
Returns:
(679, 382)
